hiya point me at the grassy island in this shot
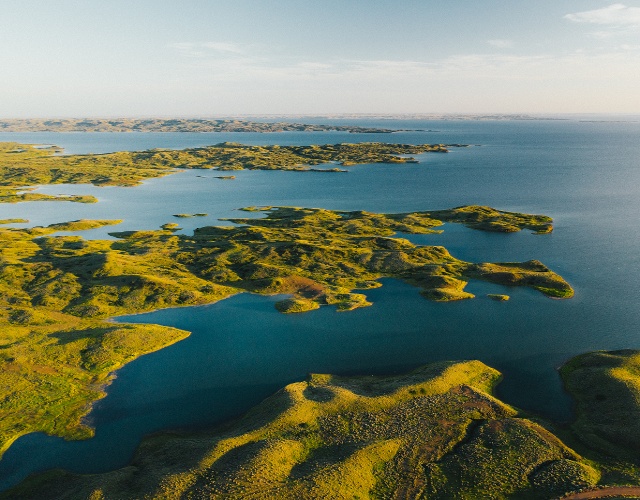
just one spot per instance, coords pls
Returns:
(498, 297)
(27, 165)
(437, 432)
(56, 291)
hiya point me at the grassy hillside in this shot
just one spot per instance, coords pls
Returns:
(606, 386)
(434, 433)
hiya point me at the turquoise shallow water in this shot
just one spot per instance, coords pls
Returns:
(585, 175)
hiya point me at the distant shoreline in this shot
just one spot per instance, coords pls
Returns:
(279, 123)
(174, 125)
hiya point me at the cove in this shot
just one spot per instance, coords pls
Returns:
(242, 350)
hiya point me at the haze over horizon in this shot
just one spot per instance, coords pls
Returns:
(72, 58)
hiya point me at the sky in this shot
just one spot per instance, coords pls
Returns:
(206, 58)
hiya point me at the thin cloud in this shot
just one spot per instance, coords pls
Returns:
(615, 15)
(181, 45)
(229, 47)
(187, 49)
(501, 43)
(205, 49)
(473, 67)
(234, 66)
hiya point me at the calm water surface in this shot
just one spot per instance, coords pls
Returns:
(585, 175)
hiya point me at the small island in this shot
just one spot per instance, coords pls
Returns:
(498, 297)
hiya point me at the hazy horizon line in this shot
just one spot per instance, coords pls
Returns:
(539, 115)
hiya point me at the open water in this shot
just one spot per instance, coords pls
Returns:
(585, 175)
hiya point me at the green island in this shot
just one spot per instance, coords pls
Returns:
(498, 297)
(173, 125)
(57, 352)
(186, 216)
(437, 432)
(28, 165)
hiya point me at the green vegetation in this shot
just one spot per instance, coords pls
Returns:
(255, 209)
(56, 352)
(12, 195)
(82, 224)
(533, 274)
(14, 221)
(489, 219)
(498, 297)
(434, 433)
(296, 305)
(27, 165)
(55, 365)
(171, 125)
(342, 251)
(56, 291)
(184, 216)
(607, 388)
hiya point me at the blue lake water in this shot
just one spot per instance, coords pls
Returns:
(585, 175)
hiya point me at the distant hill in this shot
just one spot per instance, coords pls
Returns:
(170, 125)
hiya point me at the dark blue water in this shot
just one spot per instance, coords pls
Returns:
(585, 175)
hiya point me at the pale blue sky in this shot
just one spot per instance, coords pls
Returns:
(206, 58)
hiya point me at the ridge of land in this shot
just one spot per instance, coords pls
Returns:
(173, 125)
